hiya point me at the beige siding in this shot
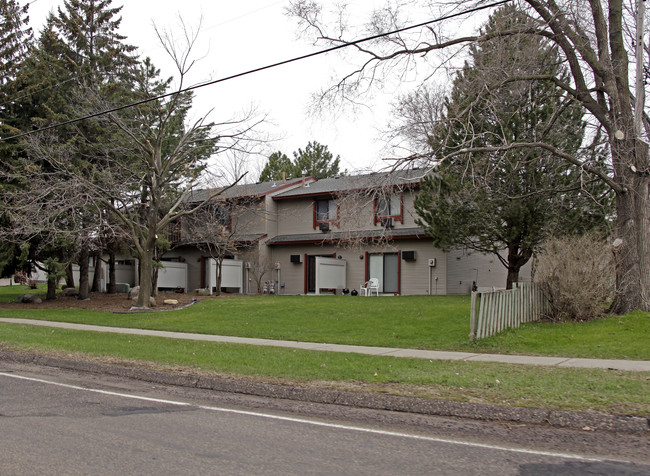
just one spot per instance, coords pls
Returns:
(295, 216)
(466, 266)
(414, 274)
(409, 209)
(355, 213)
(271, 216)
(249, 219)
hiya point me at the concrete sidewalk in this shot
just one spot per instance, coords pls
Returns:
(628, 365)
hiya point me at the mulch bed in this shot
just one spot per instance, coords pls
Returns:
(101, 302)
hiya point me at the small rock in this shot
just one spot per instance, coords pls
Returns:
(202, 292)
(69, 292)
(171, 302)
(28, 299)
(133, 293)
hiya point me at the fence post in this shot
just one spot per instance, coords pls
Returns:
(472, 318)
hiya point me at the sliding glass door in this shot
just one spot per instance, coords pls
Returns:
(385, 267)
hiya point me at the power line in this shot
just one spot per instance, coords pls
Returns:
(31, 93)
(257, 70)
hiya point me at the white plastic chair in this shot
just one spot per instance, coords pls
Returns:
(369, 286)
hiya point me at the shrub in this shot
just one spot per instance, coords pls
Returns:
(576, 273)
(21, 277)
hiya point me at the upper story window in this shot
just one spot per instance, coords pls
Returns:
(325, 211)
(174, 230)
(389, 206)
(222, 214)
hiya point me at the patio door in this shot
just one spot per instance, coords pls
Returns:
(385, 267)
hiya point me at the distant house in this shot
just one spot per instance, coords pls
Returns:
(307, 236)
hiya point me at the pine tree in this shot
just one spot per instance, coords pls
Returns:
(277, 164)
(511, 200)
(314, 161)
(15, 42)
(80, 56)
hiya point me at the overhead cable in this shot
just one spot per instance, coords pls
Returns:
(257, 70)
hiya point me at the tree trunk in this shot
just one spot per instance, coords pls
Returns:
(146, 272)
(69, 276)
(513, 276)
(517, 258)
(154, 278)
(217, 291)
(631, 246)
(98, 273)
(111, 273)
(84, 254)
(51, 287)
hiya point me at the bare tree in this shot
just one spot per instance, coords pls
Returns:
(591, 39)
(259, 266)
(52, 215)
(146, 167)
(210, 230)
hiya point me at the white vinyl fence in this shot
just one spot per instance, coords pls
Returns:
(330, 273)
(172, 275)
(494, 311)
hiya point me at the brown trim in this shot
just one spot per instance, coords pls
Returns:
(287, 185)
(401, 187)
(374, 212)
(250, 242)
(331, 222)
(202, 272)
(399, 272)
(399, 217)
(367, 266)
(339, 240)
(330, 194)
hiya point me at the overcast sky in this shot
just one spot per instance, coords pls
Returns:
(238, 36)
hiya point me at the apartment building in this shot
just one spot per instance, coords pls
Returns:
(307, 236)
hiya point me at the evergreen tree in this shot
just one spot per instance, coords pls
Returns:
(278, 162)
(317, 161)
(80, 56)
(15, 42)
(514, 199)
(314, 161)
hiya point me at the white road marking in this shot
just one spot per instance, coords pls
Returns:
(317, 423)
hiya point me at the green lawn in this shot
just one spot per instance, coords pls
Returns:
(418, 322)
(606, 391)
(431, 322)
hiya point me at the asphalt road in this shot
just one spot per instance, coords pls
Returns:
(61, 422)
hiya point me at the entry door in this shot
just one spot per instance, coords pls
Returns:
(311, 274)
(385, 267)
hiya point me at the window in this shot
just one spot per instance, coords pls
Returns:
(222, 214)
(174, 231)
(325, 210)
(386, 268)
(388, 206)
